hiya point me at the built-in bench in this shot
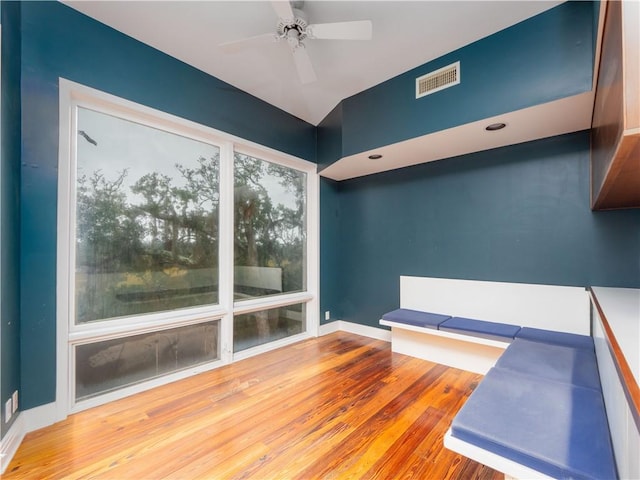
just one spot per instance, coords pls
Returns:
(539, 411)
(414, 318)
(459, 342)
(540, 407)
(459, 307)
(480, 328)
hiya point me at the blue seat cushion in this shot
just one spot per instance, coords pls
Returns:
(571, 365)
(558, 429)
(480, 328)
(415, 317)
(557, 338)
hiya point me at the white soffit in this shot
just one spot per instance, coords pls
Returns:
(540, 121)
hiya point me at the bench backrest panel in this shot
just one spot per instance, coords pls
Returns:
(551, 307)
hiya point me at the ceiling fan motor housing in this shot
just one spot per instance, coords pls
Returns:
(298, 25)
(293, 27)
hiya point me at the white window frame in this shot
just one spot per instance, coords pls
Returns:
(70, 334)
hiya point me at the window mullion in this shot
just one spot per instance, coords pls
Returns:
(226, 248)
(313, 253)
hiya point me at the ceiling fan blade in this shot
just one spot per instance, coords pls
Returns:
(303, 64)
(358, 30)
(283, 10)
(236, 45)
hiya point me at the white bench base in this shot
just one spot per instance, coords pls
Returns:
(466, 352)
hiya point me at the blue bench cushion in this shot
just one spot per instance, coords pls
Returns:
(557, 338)
(575, 366)
(416, 318)
(558, 429)
(480, 328)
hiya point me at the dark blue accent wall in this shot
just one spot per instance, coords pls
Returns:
(514, 214)
(10, 208)
(329, 145)
(58, 42)
(544, 58)
(330, 270)
(518, 213)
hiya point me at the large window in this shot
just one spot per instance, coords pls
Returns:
(179, 247)
(146, 219)
(270, 228)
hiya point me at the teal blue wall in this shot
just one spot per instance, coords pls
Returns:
(513, 214)
(10, 208)
(544, 58)
(330, 271)
(60, 42)
(329, 147)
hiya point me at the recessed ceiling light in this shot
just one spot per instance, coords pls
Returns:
(375, 156)
(495, 126)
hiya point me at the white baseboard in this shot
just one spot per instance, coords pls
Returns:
(327, 328)
(27, 421)
(11, 441)
(356, 328)
(40, 417)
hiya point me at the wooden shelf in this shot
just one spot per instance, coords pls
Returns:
(615, 138)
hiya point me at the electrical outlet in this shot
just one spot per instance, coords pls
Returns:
(327, 315)
(14, 398)
(8, 410)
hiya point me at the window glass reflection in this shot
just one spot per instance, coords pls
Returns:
(108, 365)
(147, 205)
(257, 328)
(270, 228)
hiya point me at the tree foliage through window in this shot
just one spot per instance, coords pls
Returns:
(147, 234)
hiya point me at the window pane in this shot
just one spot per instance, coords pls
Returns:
(112, 364)
(146, 219)
(270, 228)
(257, 328)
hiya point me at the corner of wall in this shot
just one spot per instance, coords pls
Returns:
(357, 329)
(329, 138)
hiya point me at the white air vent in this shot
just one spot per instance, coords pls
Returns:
(438, 80)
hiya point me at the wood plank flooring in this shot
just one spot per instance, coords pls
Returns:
(336, 407)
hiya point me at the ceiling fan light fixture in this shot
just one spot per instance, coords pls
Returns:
(294, 27)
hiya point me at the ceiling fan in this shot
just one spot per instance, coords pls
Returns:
(293, 27)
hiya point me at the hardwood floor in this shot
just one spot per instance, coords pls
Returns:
(339, 406)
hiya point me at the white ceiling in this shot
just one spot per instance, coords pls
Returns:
(406, 34)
